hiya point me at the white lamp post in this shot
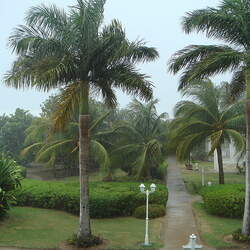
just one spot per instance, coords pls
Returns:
(147, 192)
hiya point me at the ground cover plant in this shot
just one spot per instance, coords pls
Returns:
(107, 199)
(47, 228)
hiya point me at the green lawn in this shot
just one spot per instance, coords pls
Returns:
(43, 228)
(214, 229)
(193, 178)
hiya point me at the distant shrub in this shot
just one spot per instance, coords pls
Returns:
(154, 211)
(107, 199)
(224, 200)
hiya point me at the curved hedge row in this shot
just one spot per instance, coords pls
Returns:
(107, 199)
(224, 200)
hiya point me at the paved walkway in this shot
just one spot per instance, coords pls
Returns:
(180, 221)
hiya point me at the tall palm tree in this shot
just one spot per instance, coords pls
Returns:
(76, 51)
(142, 138)
(207, 117)
(229, 22)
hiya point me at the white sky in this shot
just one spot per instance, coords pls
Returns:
(156, 21)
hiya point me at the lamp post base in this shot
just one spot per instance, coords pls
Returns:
(146, 245)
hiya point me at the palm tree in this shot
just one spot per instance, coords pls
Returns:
(142, 139)
(207, 117)
(76, 52)
(65, 143)
(229, 22)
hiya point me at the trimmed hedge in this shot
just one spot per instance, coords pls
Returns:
(154, 211)
(224, 200)
(107, 199)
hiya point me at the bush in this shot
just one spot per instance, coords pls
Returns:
(85, 242)
(154, 211)
(10, 177)
(107, 199)
(224, 200)
(238, 236)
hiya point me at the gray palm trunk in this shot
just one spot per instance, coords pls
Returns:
(84, 227)
(246, 217)
(84, 150)
(220, 164)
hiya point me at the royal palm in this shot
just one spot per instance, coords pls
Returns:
(230, 22)
(76, 52)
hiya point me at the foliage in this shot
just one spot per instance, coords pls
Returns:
(61, 148)
(107, 199)
(227, 200)
(12, 133)
(154, 211)
(85, 242)
(141, 147)
(238, 236)
(10, 177)
(215, 230)
(207, 118)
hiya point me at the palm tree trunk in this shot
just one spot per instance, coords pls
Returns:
(220, 164)
(84, 145)
(246, 217)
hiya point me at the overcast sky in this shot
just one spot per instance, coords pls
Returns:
(156, 21)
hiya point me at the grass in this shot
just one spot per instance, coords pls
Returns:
(193, 178)
(43, 228)
(214, 229)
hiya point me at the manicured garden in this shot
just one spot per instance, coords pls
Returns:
(46, 228)
(216, 231)
(107, 199)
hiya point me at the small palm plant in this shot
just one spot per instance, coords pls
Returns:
(10, 177)
(207, 118)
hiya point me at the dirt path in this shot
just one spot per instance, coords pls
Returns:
(180, 221)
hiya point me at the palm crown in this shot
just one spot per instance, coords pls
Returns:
(58, 49)
(230, 22)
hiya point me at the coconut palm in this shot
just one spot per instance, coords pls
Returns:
(142, 139)
(76, 52)
(207, 118)
(49, 149)
(229, 22)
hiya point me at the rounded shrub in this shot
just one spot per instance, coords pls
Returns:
(107, 199)
(224, 200)
(154, 211)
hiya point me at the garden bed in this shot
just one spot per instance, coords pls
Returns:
(107, 199)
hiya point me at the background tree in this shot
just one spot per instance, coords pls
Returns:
(207, 118)
(142, 140)
(76, 52)
(12, 132)
(229, 22)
